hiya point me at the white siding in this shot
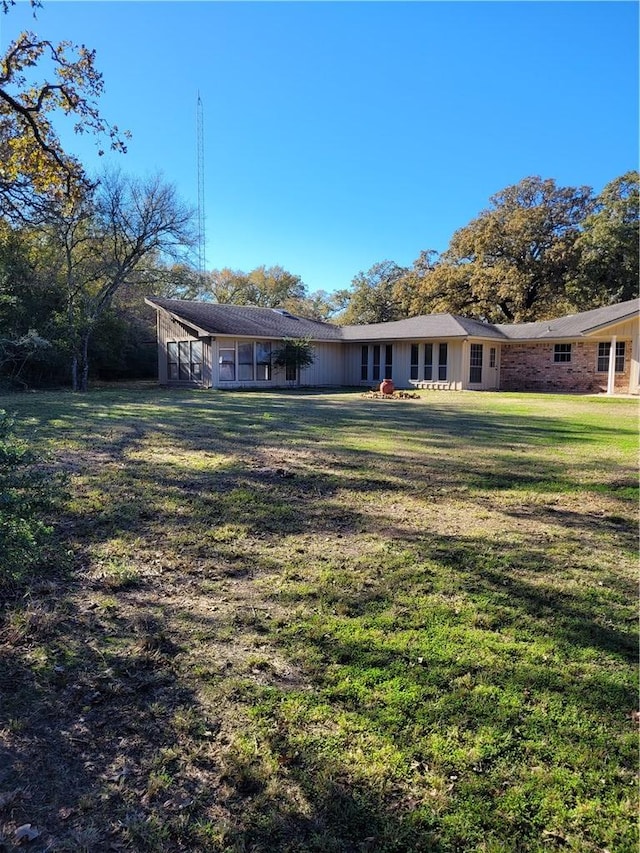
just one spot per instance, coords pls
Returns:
(327, 369)
(401, 372)
(490, 375)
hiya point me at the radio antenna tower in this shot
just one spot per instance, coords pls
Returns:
(200, 136)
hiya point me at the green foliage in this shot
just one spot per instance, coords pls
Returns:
(16, 355)
(539, 251)
(27, 490)
(373, 297)
(307, 624)
(512, 263)
(295, 353)
(35, 168)
(608, 246)
(266, 287)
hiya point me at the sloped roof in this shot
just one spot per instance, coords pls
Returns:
(249, 321)
(246, 320)
(572, 326)
(426, 326)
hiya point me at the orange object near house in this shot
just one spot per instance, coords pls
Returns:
(386, 386)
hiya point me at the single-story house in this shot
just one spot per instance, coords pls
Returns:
(230, 346)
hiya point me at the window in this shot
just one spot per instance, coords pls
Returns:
(442, 362)
(415, 354)
(364, 363)
(184, 360)
(376, 363)
(562, 353)
(475, 368)
(227, 361)
(245, 362)
(388, 361)
(263, 361)
(196, 360)
(603, 357)
(428, 361)
(184, 351)
(172, 356)
(492, 357)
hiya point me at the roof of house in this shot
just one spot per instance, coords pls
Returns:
(249, 321)
(426, 326)
(574, 325)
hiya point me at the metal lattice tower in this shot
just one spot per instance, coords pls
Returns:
(200, 136)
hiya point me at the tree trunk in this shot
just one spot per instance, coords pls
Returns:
(74, 372)
(80, 363)
(84, 381)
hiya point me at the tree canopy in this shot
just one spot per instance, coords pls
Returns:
(33, 163)
(608, 245)
(513, 262)
(374, 296)
(104, 241)
(539, 250)
(266, 287)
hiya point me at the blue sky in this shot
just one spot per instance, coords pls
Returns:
(341, 134)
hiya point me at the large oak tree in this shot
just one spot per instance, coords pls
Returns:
(514, 261)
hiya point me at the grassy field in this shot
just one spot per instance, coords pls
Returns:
(317, 622)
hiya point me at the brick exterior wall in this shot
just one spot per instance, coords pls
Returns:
(530, 367)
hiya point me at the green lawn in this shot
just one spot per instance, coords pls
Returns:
(318, 622)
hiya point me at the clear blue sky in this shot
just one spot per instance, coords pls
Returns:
(340, 134)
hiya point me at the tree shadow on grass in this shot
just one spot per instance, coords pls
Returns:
(84, 713)
(104, 746)
(506, 575)
(96, 747)
(319, 809)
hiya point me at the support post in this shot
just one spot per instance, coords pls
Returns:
(611, 379)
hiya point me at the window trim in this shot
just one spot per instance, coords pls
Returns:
(562, 353)
(603, 355)
(364, 363)
(262, 366)
(414, 366)
(443, 350)
(476, 352)
(186, 356)
(388, 361)
(251, 364)
(375, 368)
(231, 363)
(428, 361)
